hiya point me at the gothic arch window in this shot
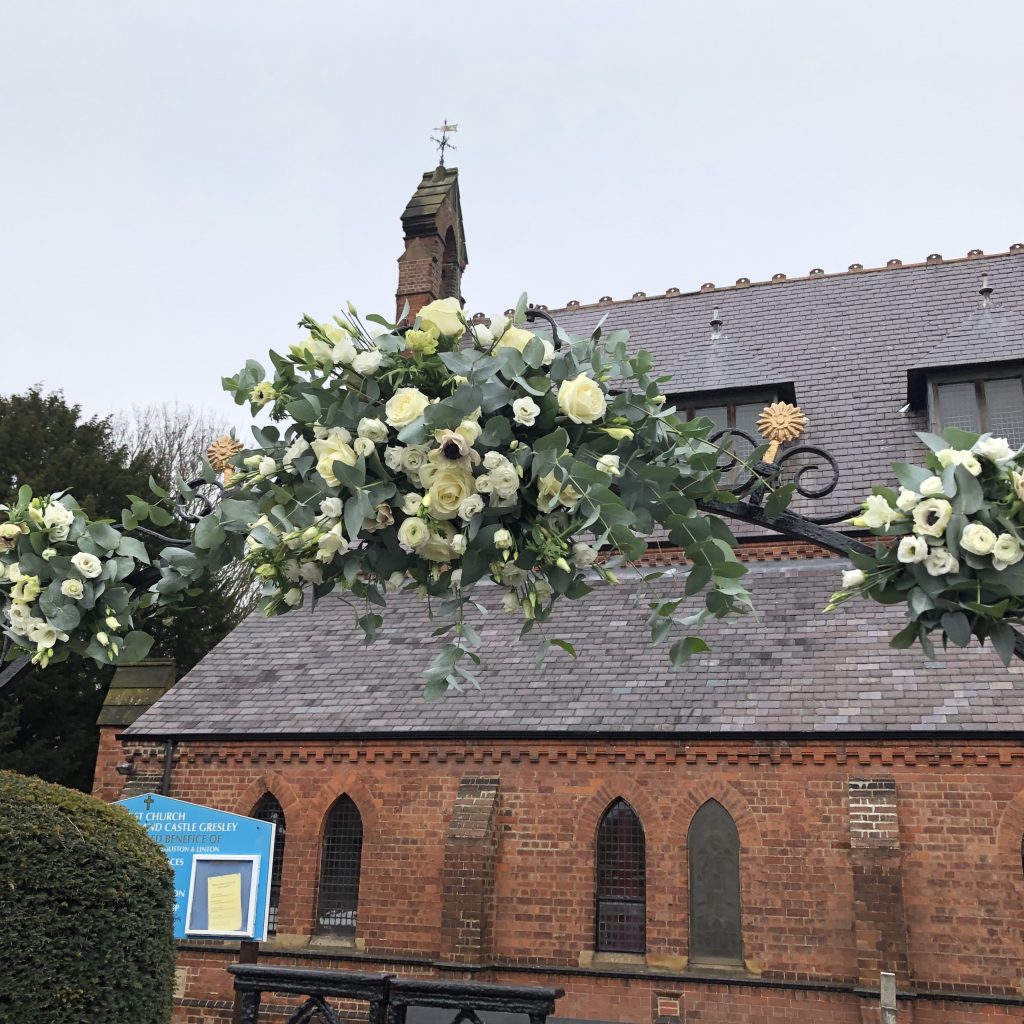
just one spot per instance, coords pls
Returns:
(269, 809)
(621, 890)
(338, 894)
(713, 845)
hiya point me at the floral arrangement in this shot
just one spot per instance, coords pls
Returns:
(424, 458)
(956, 558)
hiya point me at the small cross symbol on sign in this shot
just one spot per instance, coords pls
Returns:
(148, 802)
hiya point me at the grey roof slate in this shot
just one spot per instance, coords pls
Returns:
(794, 669)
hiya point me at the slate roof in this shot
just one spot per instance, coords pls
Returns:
(798, 669)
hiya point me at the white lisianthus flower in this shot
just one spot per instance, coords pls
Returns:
(59, 533)
(912, 549)
(267, 466)
(413, 533)
(331, 508)
(88, 565)
(582, 399)
(74, 589)
(1018, 487)
(292, 571)
(374, 430)
(411, 503)
(470, 430)
(958, 457)
(43, 635)
(504, 481)
(510, 603)
(658, 400)
(931, 517)
(262, 393)
(26, 590)
(9, 534)
(619, 433)
(978, 539)
(364, 446)
(853, 578)
(312, 349)
(484, 484)
(446, 316)
(931, 487)
(940, 562)
(394, 581)
(1006, 551)
(293, 597)
(609, 464)
(549, 352)
(525, 411)
(22, 619)
(513, 576)
(499, 325)
(57, 515)
(878, 514)
(298, 447)
(583, 555)
(907, 499)
(995, 449)
(459, 543)
(48, 553)
(367, 363)
(404, 406)
(503, 540)
(344, 351)
(542, 588)
(470, 506)
(484, 337)
(492, 460)
(393, 459)
(330, 544)
(311, 572)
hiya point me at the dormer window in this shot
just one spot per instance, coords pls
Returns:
(981, 400)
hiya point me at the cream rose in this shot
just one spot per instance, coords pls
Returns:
(375, 430)
(88, 565)
(515, 337)
(445, 315)
(1006, 551)
(931, 517)
(404, 406)
(582, 399)
(931, 487)
(413, 533)
(978, 539)
(451, 485)
(330, 450)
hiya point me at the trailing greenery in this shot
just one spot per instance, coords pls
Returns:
(86, 902)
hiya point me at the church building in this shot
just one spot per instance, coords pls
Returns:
(753, 837)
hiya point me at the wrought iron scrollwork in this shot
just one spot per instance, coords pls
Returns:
(536, 313)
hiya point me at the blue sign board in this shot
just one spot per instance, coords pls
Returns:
(221, 861)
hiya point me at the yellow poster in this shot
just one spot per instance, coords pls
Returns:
(224, 900)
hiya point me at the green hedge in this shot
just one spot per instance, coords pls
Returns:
(86, 905)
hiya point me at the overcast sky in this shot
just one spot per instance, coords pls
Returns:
(181, 179)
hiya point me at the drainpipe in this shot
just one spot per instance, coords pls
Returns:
(165, 784)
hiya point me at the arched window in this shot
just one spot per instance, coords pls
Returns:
(620, 895)
(268, 809)
(714, 852)
(338, 897)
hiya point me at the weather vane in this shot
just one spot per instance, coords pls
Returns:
(443, 143)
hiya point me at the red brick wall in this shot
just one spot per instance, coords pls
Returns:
(957, 814)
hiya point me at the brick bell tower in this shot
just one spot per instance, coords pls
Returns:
(435, 246)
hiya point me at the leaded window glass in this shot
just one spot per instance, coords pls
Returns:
(338, 895)
(713, 846)
(990, 404)
(620, 896)
(268, 809)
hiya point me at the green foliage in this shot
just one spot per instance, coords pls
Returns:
(86, 900)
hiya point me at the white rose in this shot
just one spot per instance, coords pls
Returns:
(582, 399)
(367, 363)
(393, 459)
(73, 589)
(414, 458)
(330, 450)
(978, 539)
(940, 562)
(375, 430)
(445, 315)
(931, 517)
(298, 447)
(907, 499)
(1006, 551)
(451, 485)
(404, 406)
(583, 555)
(293, 597)
(853, 578)
(88, 565)
(364, 446)
(413, 533)
(411, 503)
(515, 337)
(331, 508)
(492, 460)
(57, 515)
(609, 464)
(499, 325)
(470, 506)
(912, 549)
(459, 544)
(996, 449)
(503, 540)
(525, 411)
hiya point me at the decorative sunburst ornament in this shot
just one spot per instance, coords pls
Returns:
(220, 454)
(778, 423)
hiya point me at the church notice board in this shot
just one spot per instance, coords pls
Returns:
(221, 864)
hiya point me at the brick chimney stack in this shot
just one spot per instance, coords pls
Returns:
(435, 246)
